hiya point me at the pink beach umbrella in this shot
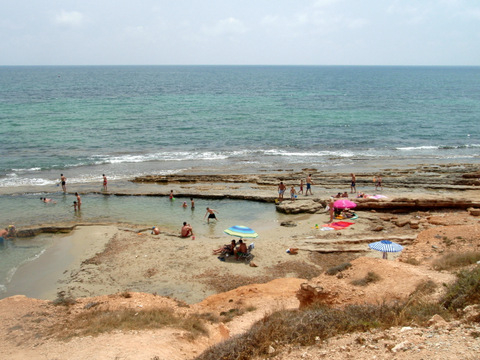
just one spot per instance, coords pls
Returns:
(344, 204)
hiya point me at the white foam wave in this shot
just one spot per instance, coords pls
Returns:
(27, 170)
(412, 148)
(14, 180)
(161, 156)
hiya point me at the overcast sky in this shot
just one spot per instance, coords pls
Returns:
(243, 32)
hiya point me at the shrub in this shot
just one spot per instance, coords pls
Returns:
(64, 300)
(371, 277)
(339, 268)
(464, 291)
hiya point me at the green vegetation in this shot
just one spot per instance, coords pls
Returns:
(465, 291)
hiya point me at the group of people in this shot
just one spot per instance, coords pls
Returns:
(293, 192)
(309, 182)
(77, 204)
(233, 249)
(63, 182)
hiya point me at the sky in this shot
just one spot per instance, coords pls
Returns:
(240, 32)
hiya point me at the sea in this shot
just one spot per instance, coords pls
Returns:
(128, 121)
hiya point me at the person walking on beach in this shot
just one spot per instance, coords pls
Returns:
(79, 201)
(63, 181)
(211, 214)
(353, 188)
(378, 183)
(309, 184)
(104, 182)
(281, 190)
(300, 191)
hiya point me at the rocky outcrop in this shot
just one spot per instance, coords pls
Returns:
(448, 176)
(47, 229)
(300, 206)
(310, 293)
(412, 204)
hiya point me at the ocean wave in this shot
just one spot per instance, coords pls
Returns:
(439, 147)
(161, 156)
(12, 180)
(27, 170)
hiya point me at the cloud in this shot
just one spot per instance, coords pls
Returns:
(229, 26)
(324, 3)
(69, 18)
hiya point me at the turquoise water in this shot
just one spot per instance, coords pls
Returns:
(135, 120)
(126, 121)
(27, 210)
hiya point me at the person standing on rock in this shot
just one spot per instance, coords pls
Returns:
(353, 188)
(63, 181)
(281, 190)
(309, 184)
(378, 183)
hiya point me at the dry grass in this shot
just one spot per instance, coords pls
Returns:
(95, 322)
(456, 260)
(308, 326)
(411, 261)
(226, 282)
(326, 261)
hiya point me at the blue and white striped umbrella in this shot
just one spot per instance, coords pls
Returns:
(241, 231)
(385, 246)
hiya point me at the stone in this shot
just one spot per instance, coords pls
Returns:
(300, 206)
(401, 223)
(474, 212)
(403, 346)
(437, 322)
(288, 223)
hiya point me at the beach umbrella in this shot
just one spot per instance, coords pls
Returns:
(344, 204)
(385, 246)
(241, 231)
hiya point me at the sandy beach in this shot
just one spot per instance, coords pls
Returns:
(101, 261)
